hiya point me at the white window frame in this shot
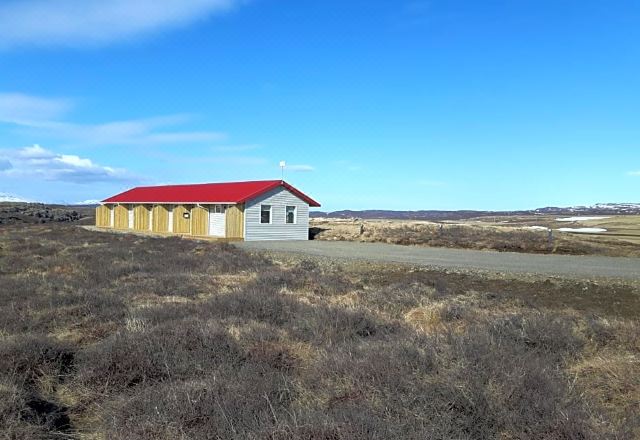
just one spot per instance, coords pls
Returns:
(295, 214)
(270, 214)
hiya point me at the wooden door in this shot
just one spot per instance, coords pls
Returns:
(182, 219)
(103, 216)
(160, 218)
(199, 221)
(121, 217)
(141, 218)
(235, 221)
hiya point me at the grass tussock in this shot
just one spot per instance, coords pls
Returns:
(248, 348)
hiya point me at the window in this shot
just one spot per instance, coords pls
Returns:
(291, 214)
(265, 213)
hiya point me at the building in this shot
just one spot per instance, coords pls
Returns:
(259, 210)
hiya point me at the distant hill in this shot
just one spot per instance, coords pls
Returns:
(12, 198)
(90, 202)
(434, 215)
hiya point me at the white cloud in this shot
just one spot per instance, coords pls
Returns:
(74, 161)
(19, 108)
(38, 162)
(634, 173)
(34, 153)
(131, 132)
(299, 168)
(97, 22)
(42, 117)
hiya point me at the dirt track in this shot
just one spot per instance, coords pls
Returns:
(507, 262)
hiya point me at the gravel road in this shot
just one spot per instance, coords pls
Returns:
(508, 262)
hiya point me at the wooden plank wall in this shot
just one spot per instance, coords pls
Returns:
(198, 224)
(103, 216)
(181, 225)
(234, 221)
(199, 221)
(141, 218)
(160, 218)
(121, 217)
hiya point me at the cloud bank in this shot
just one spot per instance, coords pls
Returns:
(18, 108)
(97, 22)
(41, 116)
(40, 163)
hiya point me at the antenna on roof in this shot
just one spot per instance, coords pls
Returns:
(283, 164)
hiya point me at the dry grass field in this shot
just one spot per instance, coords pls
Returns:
(109, 336)
(508, 233)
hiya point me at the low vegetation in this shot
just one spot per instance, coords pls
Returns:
(477, 235)
(123, 337)
(35, 213)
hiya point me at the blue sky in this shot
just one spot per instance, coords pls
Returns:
(436, 104)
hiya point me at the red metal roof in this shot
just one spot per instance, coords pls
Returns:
(229, 192)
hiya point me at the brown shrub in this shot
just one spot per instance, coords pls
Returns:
(174, 351)
(26, 359)
(246, 403)
(31, 366)
(17, 419)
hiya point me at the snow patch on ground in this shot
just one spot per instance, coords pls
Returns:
(583, 230)
(537, 228)
(579, 219)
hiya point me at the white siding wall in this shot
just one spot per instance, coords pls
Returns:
(278, 229)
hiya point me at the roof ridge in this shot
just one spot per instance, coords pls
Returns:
(275, 183)
(207, 183)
